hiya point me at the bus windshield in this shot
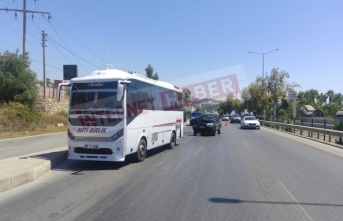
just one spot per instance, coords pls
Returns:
(94, 96)
(94, 99)
(95, 104)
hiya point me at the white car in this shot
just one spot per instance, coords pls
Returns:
(225, 118)
(250, 122)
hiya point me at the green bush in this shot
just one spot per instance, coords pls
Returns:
(338, 126)
(17, 82)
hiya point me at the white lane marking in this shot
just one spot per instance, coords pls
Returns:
(34, 144)
(41, 135)
(300, 210)
(247, 144)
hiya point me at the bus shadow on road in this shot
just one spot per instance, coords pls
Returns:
(237, 201)
(77, 167)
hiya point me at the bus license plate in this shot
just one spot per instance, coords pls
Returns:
(91, 146)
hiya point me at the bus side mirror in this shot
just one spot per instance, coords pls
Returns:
(121, 88)
(59, 89)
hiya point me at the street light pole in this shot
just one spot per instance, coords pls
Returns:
(252, 52)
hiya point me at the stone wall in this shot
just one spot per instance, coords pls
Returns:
(51, 107)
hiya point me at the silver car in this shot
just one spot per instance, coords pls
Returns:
(250, 122)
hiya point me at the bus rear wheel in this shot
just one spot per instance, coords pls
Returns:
(172, 143)
(141, 150)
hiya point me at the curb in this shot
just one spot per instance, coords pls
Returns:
(17, 171)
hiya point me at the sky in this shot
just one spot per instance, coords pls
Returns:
(183, 39)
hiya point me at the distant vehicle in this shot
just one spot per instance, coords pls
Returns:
(207, 124)
(194, 116)
(235, 118)
(247, 114)
(225, 118)
(250, 122)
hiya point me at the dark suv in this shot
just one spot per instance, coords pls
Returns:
(207, 124)
(194, 116)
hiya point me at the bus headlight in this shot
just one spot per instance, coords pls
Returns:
(118, 135)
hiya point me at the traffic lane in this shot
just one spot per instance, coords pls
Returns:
(204, 178)
(201, 179)
(26, 145)
(204, 181)
(306, 171)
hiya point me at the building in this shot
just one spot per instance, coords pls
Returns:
(309, 111)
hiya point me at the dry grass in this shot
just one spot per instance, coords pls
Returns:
(6, 135)
(17, 120)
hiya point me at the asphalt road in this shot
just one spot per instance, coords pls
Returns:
(236, 175)
(27, 145)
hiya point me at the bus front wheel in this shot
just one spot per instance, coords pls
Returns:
(141, 150)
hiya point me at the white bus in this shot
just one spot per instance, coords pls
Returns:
(113, 113)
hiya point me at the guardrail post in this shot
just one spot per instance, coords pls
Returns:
(329, 138)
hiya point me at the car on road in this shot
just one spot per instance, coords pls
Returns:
(250, 122)
(235, 119)
(194, 116)
(225, 118)
(207, 124)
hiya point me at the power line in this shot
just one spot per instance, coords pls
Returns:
(24, 11)
(73, 53)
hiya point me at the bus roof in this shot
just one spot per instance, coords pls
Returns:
(115, 74)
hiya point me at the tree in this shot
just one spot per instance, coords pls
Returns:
(321, 99)
(337, 98)
(331, 109)
(186, 94)
(310, 96)
(226, 107)
(278, 87)
(150, 73)
(330, 94)
(237, 106)
(301, 101)
(17, 82)
(255, 97)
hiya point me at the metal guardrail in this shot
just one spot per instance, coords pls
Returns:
(311, 131)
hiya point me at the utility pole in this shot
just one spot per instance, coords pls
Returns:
(24, 11)
(43, 45)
